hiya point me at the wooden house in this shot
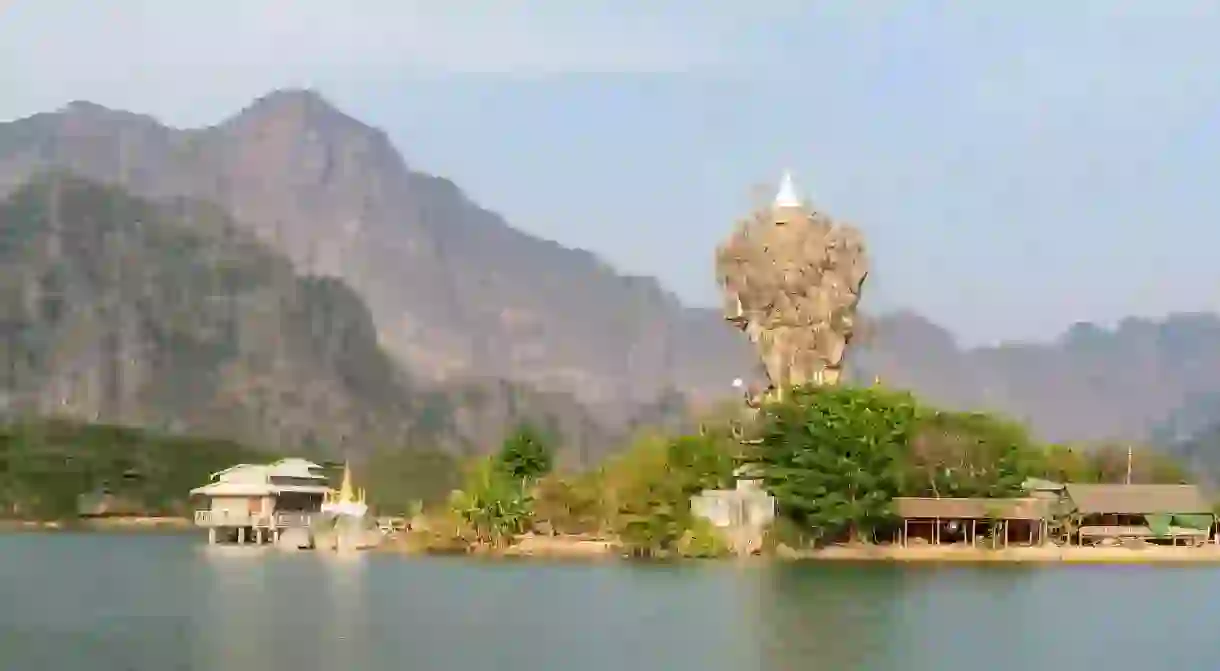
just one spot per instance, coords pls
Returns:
(258, 502)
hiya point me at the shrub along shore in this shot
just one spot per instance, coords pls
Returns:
(834, 458)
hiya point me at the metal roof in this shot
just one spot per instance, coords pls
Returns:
(256, 489)
(972, 509)
(1137, 499)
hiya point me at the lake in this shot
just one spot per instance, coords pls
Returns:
(101, 602)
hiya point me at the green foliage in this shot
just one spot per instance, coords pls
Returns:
(397, 479)
(702, 541)
(1064, 463)
(494, 506)
(832, 456)
(651, 484)
(526, 453)
(968, 454)
(46, 466)
(700, 462)
(785, 531)
(1107, 463)
(567, 506)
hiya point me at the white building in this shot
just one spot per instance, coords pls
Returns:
(742, 513)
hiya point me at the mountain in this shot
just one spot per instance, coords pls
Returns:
(455, 292)
(168, 314)
(1090, 383)
(464, 301)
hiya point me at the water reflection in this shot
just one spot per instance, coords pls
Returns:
(814, 617)
(344, 635)
(114, 604)
(233, 618)
(270, 612)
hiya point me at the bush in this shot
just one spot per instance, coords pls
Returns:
(786, 532)
(568, 506)
(702, 541)
(494, 507)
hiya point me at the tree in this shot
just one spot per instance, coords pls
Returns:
(968, 454)
(571, 505)
(1108, 462)
(526, 454)
(831, 456)
(1064, 463)
(494, 505)
(398, 477)
(649, 487)
(700, 462)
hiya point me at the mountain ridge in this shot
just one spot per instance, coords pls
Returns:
(167, 314)
(456, 290)
(457, 293)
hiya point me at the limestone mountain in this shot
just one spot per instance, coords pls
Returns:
(454, 291)
(1091, 383)
(168, 314)
(456, 294)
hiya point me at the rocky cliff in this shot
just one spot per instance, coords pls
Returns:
(454, 291)
(456, 294)
(168, 314)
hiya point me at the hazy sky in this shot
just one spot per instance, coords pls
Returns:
(1016, 167)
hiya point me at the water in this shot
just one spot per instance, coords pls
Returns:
(109, 603)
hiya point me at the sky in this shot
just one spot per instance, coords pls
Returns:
(1015, 167)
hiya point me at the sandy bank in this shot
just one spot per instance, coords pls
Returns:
(1152, 554)
(553, 547)
(562, 547)
(100, 524)
(569, 547)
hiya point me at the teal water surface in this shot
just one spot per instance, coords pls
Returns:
(117, 602)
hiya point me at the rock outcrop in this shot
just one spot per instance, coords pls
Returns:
(791, 278)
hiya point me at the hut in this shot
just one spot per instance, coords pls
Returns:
(1154, 513)
(260, 501)
(1023, 520)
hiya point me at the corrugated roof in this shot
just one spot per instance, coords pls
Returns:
(234, 489)
(256, 489)
(294, 467)
(1137, 499)
(1042, 484)
(966, 509)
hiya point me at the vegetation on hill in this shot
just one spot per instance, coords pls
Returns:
(57, 469)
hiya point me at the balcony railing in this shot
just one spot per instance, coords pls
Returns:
(294, 520)
(240, 518)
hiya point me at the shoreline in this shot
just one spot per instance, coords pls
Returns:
(543, 548)
(100, 524)
(1048, 554)
(561, 548)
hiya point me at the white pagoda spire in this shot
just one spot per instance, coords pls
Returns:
(787, 193)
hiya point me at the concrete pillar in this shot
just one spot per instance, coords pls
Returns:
(211, 535)
(241, 535)
(258, 536)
